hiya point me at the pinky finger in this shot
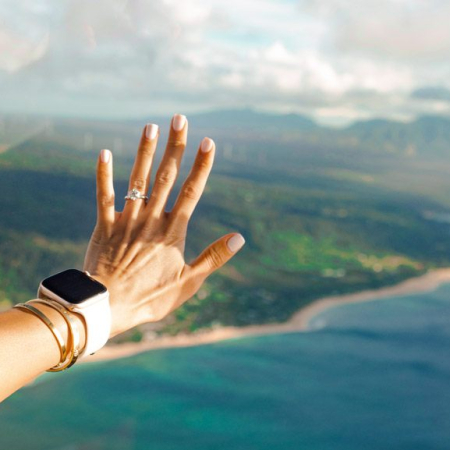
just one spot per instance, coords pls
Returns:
(217, 254)
(105, 191)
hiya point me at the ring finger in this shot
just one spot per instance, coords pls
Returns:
(140, 175)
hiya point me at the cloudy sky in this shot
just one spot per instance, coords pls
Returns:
(336, 60)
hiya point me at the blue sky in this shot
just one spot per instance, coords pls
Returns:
(335, 60)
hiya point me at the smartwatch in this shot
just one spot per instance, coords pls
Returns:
(82, 294)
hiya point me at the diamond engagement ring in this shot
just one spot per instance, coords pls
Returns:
(134, 194)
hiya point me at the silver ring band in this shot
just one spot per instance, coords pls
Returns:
(134, 194)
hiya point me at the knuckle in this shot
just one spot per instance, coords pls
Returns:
(103, 170)
(165, 178)
(103, 173)
(177, 144)
(139, 183)
(190, 191)
(213, 258)
(203, 165)
(154, 196)
(105, 200)
(147, 149)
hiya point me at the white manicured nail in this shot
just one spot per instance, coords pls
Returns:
(105, 156)
(207, 145)
(235, 242)
(178, 122)
(151, 130)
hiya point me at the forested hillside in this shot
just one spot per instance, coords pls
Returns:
(323, 211)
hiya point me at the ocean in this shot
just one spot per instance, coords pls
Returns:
(368, 376)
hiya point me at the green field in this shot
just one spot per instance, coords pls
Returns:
(322, 211)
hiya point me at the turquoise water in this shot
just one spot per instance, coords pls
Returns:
(376, 376)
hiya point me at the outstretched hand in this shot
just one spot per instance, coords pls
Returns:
(139, 253)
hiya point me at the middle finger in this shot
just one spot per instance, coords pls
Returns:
(167, 173)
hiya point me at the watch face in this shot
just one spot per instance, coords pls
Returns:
(73, 286)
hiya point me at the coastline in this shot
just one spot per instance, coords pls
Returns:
(298, 322)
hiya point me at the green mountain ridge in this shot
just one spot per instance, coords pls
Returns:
(425, 136)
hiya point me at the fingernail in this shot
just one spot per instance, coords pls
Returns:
(151, 130)
(178, 122)
(207, 145)
(235, 242)
(105, 156)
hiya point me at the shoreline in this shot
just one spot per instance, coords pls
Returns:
(298, 322)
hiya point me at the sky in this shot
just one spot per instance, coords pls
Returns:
(334, 60)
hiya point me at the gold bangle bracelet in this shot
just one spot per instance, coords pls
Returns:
(36, 312)
(74, 334)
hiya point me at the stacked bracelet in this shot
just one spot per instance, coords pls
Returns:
(74, 334)
(49, 323)
(68, 357)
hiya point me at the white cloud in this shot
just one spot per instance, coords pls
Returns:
(405, 29)
(119, 57)
(16, 52)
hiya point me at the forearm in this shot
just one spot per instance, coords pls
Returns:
(28, 348)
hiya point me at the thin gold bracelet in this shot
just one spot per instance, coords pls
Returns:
(36, 312)
(74, 334)
(59, 367)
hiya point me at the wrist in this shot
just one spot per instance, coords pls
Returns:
(58, 336)
(81, 294)
(61, 324)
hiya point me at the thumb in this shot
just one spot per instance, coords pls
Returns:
(217, 254)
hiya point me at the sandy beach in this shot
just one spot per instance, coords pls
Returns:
(298, 322)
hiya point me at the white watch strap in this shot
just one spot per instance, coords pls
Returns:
(98, 326)
(96, 316)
